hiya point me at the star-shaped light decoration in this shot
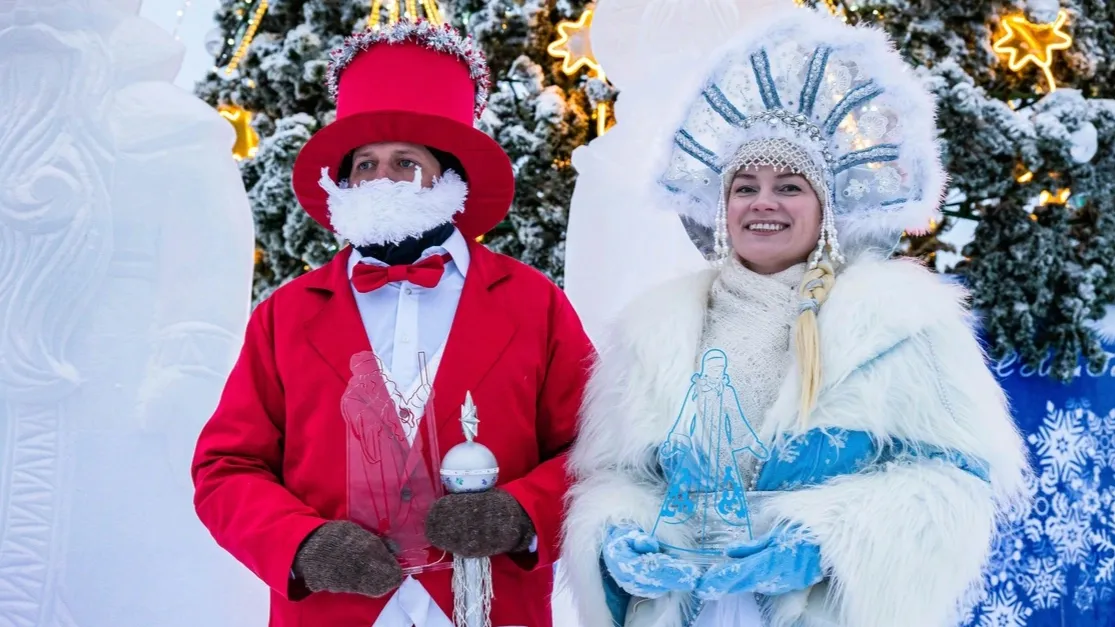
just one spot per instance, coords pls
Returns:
(247, 140)
(1025, 42)
(574, 46)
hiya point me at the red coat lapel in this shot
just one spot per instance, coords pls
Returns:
(481, 331)
(336, 332)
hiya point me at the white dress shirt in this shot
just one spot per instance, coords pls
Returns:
(403, 319)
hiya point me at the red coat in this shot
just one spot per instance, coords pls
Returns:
(270, 464)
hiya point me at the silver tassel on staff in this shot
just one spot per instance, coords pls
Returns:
(470, 467)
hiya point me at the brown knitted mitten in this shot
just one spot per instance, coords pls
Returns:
(479, 525)
(342, 556)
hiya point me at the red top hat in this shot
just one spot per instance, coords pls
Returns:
(418, 83)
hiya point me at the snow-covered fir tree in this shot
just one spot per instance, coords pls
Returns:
(1039, 272)
(536, 112)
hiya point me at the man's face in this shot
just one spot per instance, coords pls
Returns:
(395, 161)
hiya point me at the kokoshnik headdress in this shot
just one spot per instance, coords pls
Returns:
(806, 92)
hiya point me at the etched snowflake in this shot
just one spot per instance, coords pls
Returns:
(1062, 442)
(1090, 502)
(1069, 530)
(1043, 581)
(1003, 609)
(1102, 431)
(1104, 550)
(1084, 598)
(1005, 562)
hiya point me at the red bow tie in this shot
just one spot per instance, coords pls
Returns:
(426, 273)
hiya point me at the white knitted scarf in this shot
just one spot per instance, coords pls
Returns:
(750, 317)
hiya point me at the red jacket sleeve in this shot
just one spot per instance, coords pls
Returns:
(542, 491)
(238, 461)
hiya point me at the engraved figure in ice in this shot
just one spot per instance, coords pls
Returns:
(703, 459)
(126, 247)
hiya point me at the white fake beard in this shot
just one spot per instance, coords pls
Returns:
(385, 212)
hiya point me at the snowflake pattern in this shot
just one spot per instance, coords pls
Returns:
(1004, 610)
(1102, 431)
(1056, 559)
(1062, 442)
(1043, 581)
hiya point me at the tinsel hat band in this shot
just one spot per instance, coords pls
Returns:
(418, 83)
(444, 39)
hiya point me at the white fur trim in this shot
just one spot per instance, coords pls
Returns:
(902, 546)
(387, 212)
(899, 361)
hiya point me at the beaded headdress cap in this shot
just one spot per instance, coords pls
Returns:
(831, 101)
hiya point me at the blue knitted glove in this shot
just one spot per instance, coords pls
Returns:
(634, 561)
(775, 564)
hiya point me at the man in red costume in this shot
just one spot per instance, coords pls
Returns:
(405, 178)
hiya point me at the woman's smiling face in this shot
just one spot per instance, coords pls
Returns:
(774, 218)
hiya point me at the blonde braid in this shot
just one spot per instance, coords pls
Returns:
(815, 288)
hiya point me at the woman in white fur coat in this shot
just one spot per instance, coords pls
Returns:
(885, 451)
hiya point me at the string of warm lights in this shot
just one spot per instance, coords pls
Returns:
(404, 9)
(246, 41)
(249, 15)
(1061, 196)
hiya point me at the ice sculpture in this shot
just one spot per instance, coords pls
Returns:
(125, 267)
(709, 451)
(391, 433)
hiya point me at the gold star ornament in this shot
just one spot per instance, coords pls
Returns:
(574, 47)
(1025, 43)
(247, 140)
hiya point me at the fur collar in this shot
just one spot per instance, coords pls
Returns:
(875, 305)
